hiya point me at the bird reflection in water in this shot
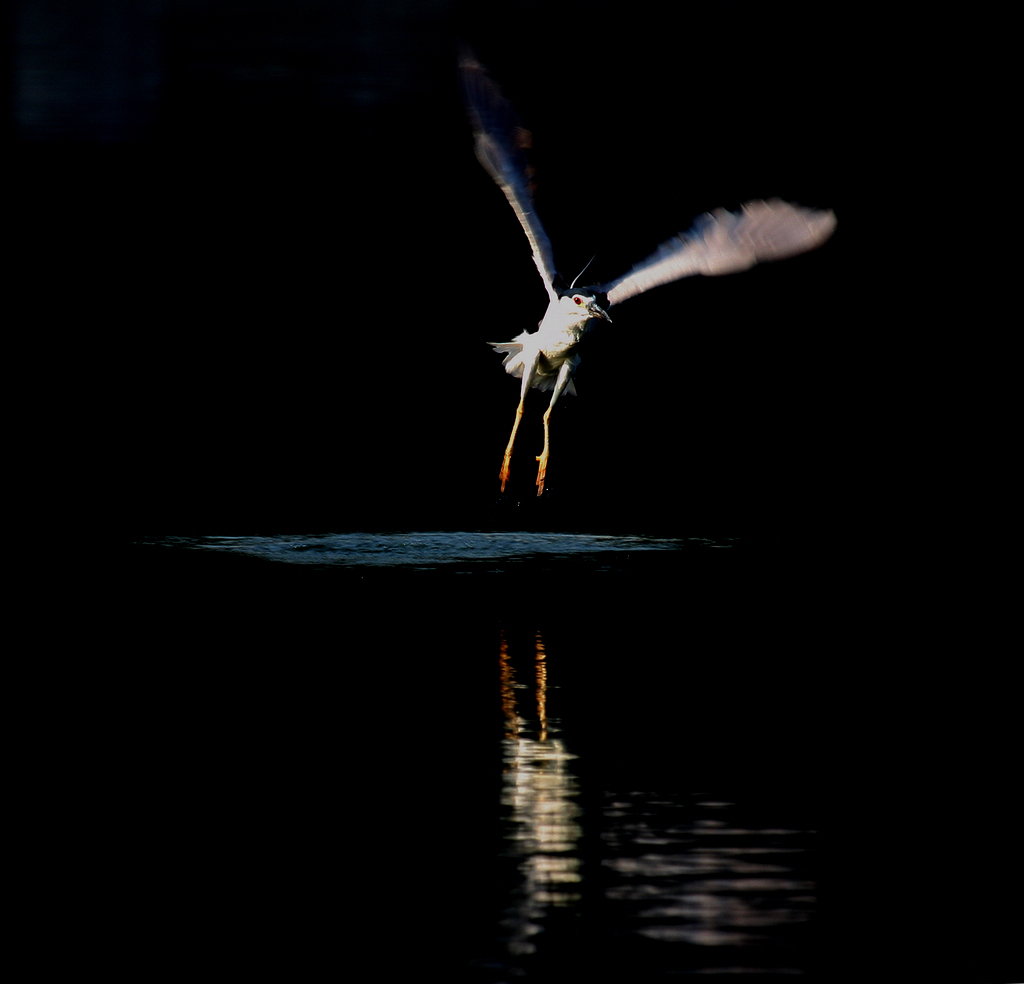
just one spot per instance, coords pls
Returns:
(538, 796)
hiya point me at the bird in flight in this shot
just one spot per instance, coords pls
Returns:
(719, 242)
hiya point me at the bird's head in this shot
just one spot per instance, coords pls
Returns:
(584, 302)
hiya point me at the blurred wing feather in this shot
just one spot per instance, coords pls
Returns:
(726, 242)
(500, 148)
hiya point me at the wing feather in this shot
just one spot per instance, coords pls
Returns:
(723, 242)
(500, 146)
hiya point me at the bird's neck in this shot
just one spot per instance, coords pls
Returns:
(558, 319)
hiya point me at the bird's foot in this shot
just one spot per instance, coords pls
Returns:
(503, 474)
(541, 472)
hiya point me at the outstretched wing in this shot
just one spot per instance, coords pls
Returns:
(727, 242)
(500, 143)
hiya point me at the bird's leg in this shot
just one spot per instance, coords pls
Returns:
(529, 375)
(564, 373)
(503, 475)
(543, 456)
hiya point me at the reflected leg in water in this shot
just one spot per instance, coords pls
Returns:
(540, 813)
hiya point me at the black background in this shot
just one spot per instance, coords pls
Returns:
(260, 238)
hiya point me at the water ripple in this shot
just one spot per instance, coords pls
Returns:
(432, 549)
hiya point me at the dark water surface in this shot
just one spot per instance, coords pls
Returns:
(493, 755)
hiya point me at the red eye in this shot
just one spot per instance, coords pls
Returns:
(579, 301)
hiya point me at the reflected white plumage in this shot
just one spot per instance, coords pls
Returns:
(720, 242)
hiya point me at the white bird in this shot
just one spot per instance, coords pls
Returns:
(719, 242)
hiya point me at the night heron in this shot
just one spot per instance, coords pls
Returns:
(719, 242)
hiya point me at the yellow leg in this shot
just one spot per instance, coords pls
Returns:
(543, 456)
(503, 475)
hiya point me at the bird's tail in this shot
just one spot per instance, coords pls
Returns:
(545, 377)
(510, 351)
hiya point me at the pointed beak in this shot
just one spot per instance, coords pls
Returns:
(596, 311)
